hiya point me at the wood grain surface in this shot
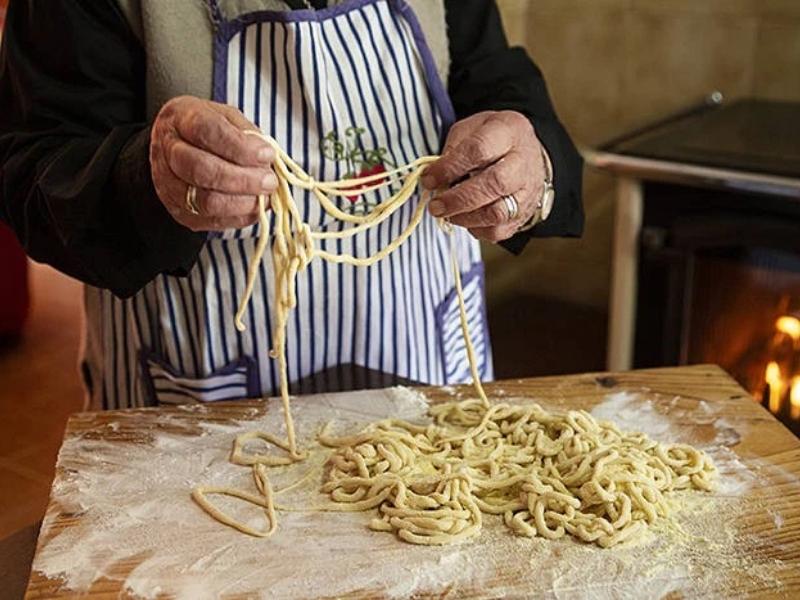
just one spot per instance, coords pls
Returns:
(756, 439)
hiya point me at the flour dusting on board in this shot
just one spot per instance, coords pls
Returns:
(139, 526)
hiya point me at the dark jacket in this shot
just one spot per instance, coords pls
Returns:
(75, 182)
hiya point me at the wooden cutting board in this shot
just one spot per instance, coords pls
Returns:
(120, 522)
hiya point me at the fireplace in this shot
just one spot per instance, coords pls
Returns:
(707, 246)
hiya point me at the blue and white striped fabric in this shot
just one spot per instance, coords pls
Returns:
(300, 75)
(235, 381)
(451, 339)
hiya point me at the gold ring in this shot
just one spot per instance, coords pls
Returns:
(191, 200)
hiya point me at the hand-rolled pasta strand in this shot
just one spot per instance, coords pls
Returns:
(547, 474)
(293, 248)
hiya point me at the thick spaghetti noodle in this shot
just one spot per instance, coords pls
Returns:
(547, 474)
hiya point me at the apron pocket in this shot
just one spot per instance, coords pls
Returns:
(235, 381)
(448, 328)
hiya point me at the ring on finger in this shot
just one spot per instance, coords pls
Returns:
(512, 206)
(191, 200)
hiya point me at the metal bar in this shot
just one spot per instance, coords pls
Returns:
(713, 100)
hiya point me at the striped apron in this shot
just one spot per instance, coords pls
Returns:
(346, 91)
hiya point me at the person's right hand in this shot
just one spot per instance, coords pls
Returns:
(202, 143)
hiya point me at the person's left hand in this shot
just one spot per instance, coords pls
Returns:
(487, 156)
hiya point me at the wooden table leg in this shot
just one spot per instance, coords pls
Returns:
(624, 266)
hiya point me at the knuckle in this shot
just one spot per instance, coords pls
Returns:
(212, 204)
(476, 150)
(166, 111)
(268, 183)
(513, 118)
(494, 235)
(460, 128)
(243, 150)
(496, 213)
(203, 173)
(171, 152)
(450, 201)
(494, 182)
(198, 128)
(458, 165)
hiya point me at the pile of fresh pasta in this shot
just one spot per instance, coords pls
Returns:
(547, 474)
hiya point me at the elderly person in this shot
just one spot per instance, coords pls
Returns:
(125, 165)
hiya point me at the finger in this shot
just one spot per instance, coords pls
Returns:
(490, 215)
(504, 177)
(486, 145)
(205, 170)
(170, 189)
(210, 130)
(209, 203)
(494, 234)
(215, 204)
(203, 223)
(461, 130)
(173, 191)
(234, 116)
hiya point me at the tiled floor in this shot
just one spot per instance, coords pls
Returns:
(39, 388)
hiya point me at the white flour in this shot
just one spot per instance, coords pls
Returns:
(139, 525)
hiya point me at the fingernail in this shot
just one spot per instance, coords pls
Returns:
(268, 182)
(265, 155)
(436, 208)
(429, 182)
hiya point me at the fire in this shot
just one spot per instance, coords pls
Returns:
(794, 397)
(774, 379)
(789, 325)
(782, 375)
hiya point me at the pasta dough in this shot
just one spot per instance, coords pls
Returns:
(547, 474)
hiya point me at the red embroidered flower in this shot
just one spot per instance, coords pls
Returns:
(360, 160)
(366, 172)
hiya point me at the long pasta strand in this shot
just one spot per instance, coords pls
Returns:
(293, 249)
(547, 474)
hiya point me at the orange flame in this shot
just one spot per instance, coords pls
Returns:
(789, 325)
(794, 398)
(774, 378)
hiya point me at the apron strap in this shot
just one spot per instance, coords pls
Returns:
(215, 12)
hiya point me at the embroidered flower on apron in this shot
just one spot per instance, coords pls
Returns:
(360, 162)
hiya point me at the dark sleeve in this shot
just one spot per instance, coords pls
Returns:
(75, 182)
(486, 74)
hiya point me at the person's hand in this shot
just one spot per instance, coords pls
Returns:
(487, 156)
(202, 143)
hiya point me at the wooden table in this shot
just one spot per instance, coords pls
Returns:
(747, 544)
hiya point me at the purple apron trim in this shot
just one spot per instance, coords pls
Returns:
(147, 357)
(475, 271)
(219, 89)
(217, 18)
(226, 29)
(293, 16)
(435, 83)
